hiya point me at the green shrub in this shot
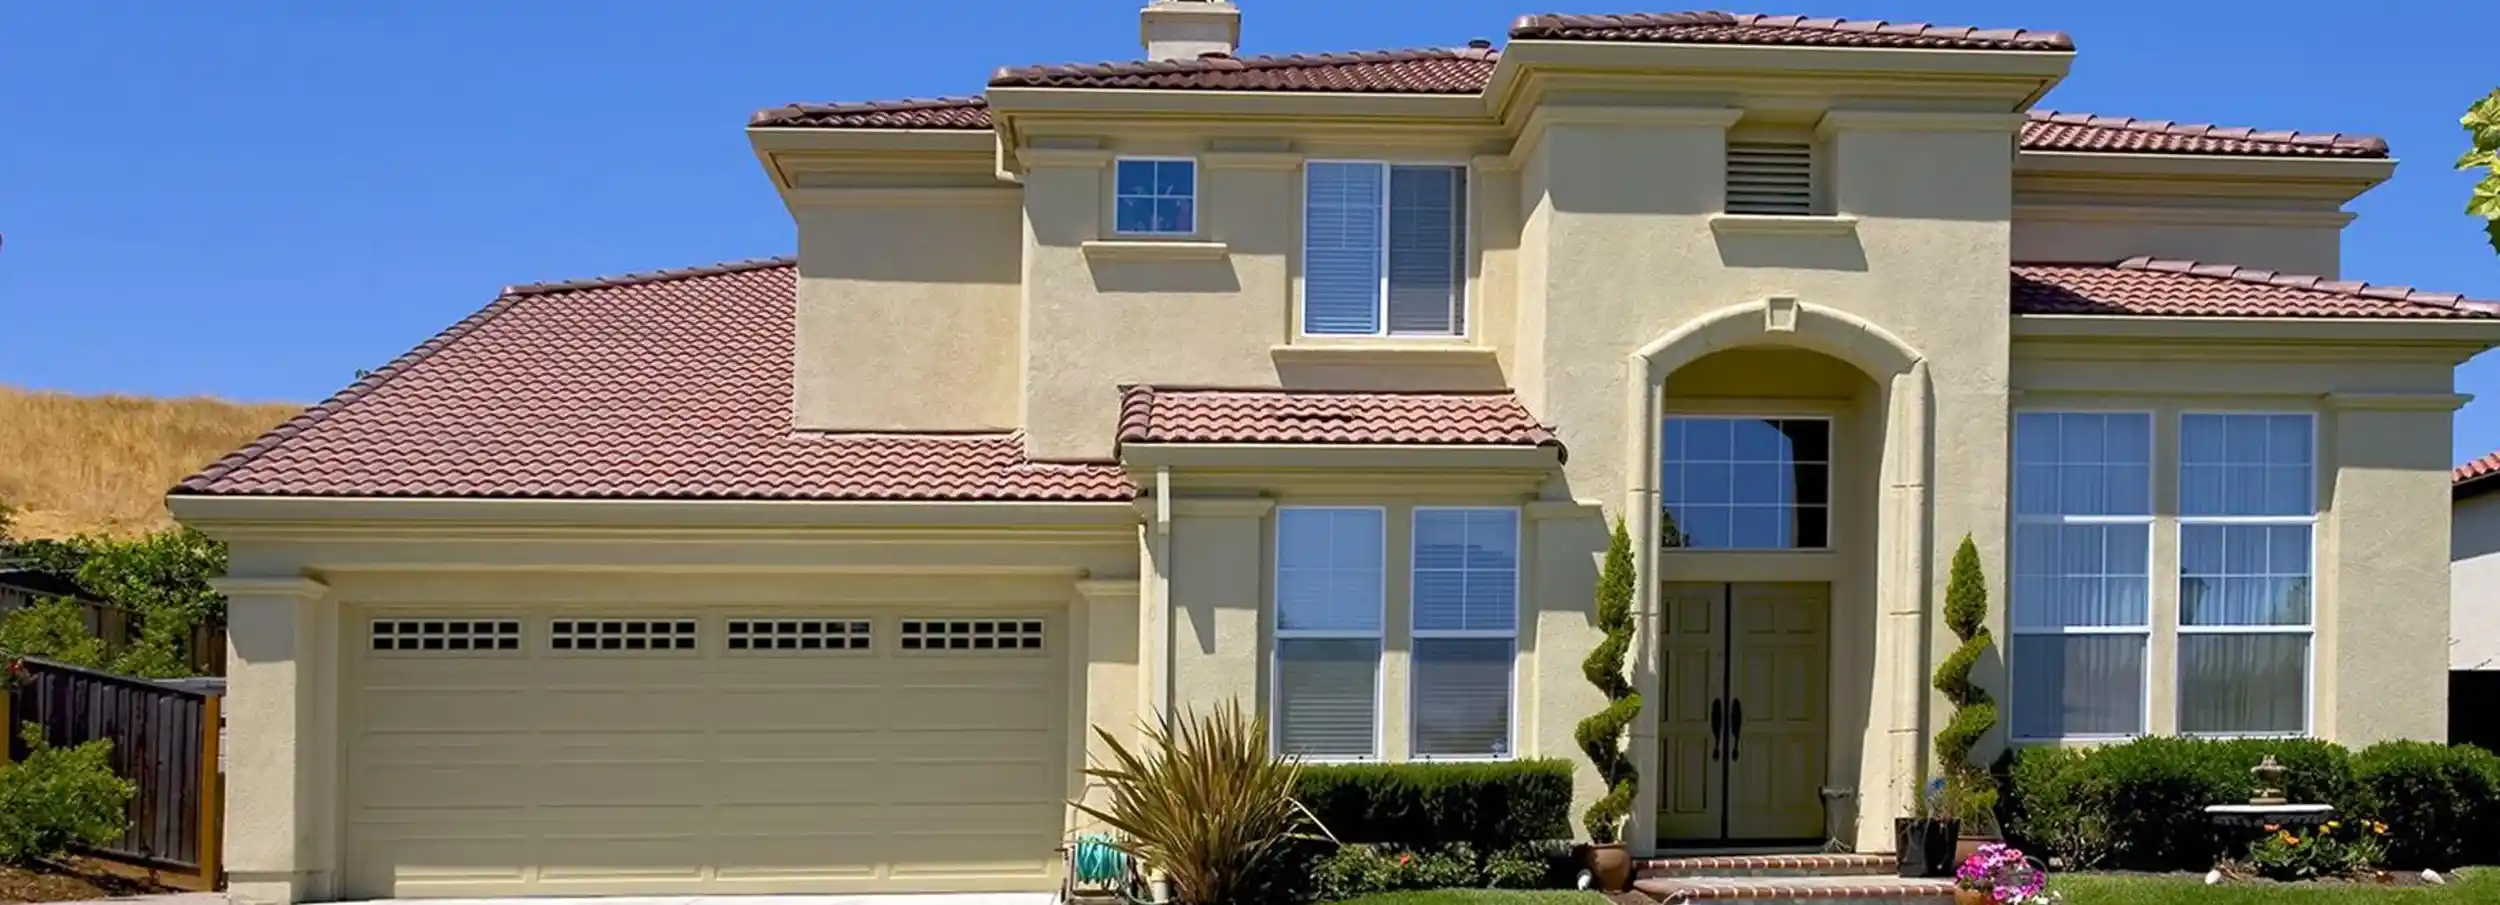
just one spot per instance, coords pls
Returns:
(2441, 804)
(2141, 805)
(54, 629)
(1486, 805)
(1600, 735)
(1362, 870)
(59, 797)
(2293, 854)
(1971, 798)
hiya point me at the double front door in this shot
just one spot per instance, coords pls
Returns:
(1742, 722)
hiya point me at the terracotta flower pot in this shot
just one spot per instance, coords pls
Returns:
(1963, 896)
(1610, 866)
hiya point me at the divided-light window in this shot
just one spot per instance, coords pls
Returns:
(1466, 626)
(1154, 196)
(1384, 249)
(1331, 579)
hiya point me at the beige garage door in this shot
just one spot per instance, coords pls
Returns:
(581, 752)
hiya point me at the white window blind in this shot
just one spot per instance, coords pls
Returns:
(1466, 615)
(1330, 585)
(1384, 249)
(1770, 178)
(2247, 517)
(2083, 516)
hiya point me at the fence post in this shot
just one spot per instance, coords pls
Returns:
(212, 793)
(8, 721)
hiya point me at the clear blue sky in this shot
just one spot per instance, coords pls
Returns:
(253, 200)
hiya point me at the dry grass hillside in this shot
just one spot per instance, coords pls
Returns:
(75, 464)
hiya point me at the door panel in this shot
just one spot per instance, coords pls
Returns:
(1777, 658)
(1754, 656)
(1691, 665)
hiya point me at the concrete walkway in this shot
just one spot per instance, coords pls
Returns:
(171, 898)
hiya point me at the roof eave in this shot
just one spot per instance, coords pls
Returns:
(226, 516)
(2460, 338)
(1539, 458)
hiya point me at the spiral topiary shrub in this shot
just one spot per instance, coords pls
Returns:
(1601, 735)
(1974, 795)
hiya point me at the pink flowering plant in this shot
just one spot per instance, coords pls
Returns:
(2007, 875)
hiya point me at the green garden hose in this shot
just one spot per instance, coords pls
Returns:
(1099, 863)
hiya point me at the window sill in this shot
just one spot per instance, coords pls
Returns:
(1154, 249)
(1783, 225)
(1395, 351)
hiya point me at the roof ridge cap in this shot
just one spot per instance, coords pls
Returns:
(641, 277)
(2352, 140)
(1253, 62)
(2349, 288)
(1536, 25)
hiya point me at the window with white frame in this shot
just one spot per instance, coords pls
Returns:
(1330, 586)
(1466, 621)
(1384, 249)
(2247, 515)
(1746, 483)
(1154, 196)
(2081, 620)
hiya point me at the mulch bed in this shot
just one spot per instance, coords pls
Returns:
(67, 881)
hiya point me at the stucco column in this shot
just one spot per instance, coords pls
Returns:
(281, 740)
(1646, 397)
(1888, 773)
(1218, 595)
(1103, 676)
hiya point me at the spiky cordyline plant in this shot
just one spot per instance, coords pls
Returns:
(1203, 802)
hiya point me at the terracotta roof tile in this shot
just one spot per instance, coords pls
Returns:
(909, 113)
(1462, 70)
(2487, 465)
(1703, 27)
(2052, 131)
(1158, 415)
(2148, 286)
(667, 385)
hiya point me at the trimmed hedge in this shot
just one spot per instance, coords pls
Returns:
(1489, 806)
(2141, 805)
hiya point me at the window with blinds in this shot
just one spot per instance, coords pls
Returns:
(1765, 177)
(1384, 249)
(1330, 580)
(1466, 617)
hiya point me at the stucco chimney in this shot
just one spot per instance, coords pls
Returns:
(1188, 29)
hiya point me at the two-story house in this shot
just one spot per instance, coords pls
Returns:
(1317, 383)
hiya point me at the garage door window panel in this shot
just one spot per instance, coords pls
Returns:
(442, 635)
(642, 635)
(971, 635)
(761, 635)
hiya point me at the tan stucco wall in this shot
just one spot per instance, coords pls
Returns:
(2065, 236)
(2474, 579)
(908, 311)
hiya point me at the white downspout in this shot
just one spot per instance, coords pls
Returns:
(1162, 653)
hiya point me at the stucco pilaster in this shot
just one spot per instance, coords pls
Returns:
(1216, 603)
(1103, 673)
(282, 802)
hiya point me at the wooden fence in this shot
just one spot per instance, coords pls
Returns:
(165, 741)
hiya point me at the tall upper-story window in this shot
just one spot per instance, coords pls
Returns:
(1466, 622)
(1330, 584)
(2247, 518)
(1746, 483)
(2083, 523)
(1384, 249)
(1154, 196)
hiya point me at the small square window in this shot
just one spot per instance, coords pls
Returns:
(1154, 197)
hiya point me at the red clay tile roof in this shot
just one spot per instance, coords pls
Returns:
(2150, 287)
(909, 113)
(2048, 130)
(1157, 415)
(1462, 70)
(666, 385)
(2485, 466)
(1733, 28)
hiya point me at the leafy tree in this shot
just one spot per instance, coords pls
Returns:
(1974, 713)
(1601, 735)
(2482, 121)
(161, 579)
(53, 629)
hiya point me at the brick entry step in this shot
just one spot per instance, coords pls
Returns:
(1768, 879)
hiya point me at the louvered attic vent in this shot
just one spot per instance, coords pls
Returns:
(1770, 178)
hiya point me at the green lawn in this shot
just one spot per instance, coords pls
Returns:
(1480, 897)
(2481, 886)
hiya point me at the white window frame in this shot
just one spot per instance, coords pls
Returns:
(1831, 478)
(2014, 627)
(1462, 306)
(1518, 536)
(1195, 184)
(2178, 540)
(1280, 634)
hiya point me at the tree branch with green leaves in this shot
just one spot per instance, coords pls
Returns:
(2482, 122)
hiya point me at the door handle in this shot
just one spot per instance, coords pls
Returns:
(1718, 725)
(1735, 728)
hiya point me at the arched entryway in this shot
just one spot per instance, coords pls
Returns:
(1771, 596)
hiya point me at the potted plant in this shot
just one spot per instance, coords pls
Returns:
(1970, 795)
(1923, 841)
(1601, 735)
(1999, 874)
